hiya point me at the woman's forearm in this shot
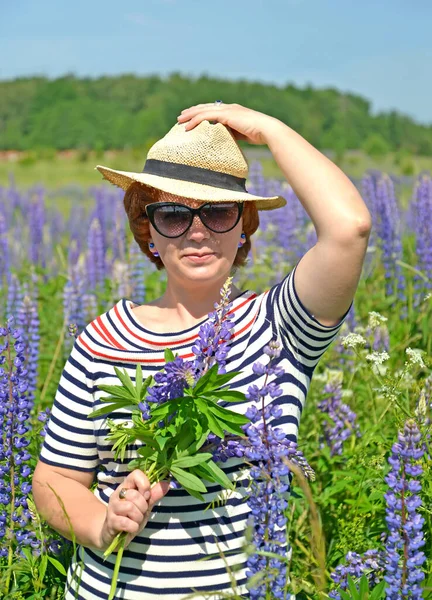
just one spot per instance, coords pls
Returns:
(85, 511)
(328, 196)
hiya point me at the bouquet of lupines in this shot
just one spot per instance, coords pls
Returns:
(175, 412)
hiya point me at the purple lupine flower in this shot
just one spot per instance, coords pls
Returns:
(36, 221)
(422, 216)
(267, 446)
(118, 243)
(371, 564)
(5, 265)
(72, 299)
(403, 555)
(28, 321)
(13, 295)
(172, 381)
(211, 346)
(74, 252)
(89, 307)
(43, 417)
(389, 236)
(137, 270)
(95, 259)
(14, 415)
(344, 420)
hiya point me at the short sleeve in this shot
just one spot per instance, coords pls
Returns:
(70, 441)
(302, 335)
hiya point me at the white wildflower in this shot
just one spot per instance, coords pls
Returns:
(377, 358)
(375, 319)
(353, 340)
(415, 357)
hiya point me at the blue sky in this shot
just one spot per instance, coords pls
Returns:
(380, 49)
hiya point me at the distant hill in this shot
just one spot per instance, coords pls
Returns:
(128, 111)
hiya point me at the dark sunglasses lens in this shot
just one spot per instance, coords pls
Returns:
(172, 221)
(220, 216)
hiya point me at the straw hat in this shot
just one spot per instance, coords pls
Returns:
(205, 163)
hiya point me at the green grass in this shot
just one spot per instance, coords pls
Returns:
(58, 171)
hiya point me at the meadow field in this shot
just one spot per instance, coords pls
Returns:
(359, 517)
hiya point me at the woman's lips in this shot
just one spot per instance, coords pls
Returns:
(199, 258)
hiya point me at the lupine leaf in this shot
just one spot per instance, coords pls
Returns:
(378, 591)
(199, 442)
(169, 355)
(353, 588)
(138, 380)
(57, 564)
(161, 440)
(188, 479)
(205, 379)
(186, 439)
(43, 567)
(194, 493)
(231, 396)
(212, 421)
(115, 391)
(147, 452)
(145, 386)
(364, 588)
(105, 410)
(163, 410)
(225, 378)
(231, 427)
(229, 415)
(185, 462)
(216, 474)
(126, 380)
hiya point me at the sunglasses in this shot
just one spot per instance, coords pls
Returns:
(173, 220)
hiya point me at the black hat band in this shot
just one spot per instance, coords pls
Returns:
(162, 168)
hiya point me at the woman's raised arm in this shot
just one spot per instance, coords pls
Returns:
(327, 276)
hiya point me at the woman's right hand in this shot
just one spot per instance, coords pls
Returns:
(131, 513)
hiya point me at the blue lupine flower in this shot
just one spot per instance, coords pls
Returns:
(371, 564)
(343, 420)
(403, 555)
(14, 420)
(95, 259)
(212, 344)
(28, 321)
(172, 381)
(422, 212)
(266, 448)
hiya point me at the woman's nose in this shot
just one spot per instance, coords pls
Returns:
(198, 230)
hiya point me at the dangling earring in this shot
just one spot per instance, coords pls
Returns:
(243, 240)
(155, 253)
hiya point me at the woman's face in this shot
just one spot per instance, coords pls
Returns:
(199, 255)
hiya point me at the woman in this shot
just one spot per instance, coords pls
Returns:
(197, 164)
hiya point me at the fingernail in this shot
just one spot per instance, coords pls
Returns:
(147, 495)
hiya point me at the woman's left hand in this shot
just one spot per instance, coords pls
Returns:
(246, 124)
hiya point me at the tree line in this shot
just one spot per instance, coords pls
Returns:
(128, 111)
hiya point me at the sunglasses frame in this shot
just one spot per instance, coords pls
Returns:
(150, 209)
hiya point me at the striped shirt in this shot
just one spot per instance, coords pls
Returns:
(165, 559)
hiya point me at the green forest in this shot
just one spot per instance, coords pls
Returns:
(129, 111)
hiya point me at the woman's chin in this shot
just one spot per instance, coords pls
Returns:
(206, 271)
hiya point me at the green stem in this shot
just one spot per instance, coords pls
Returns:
(116, 569)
